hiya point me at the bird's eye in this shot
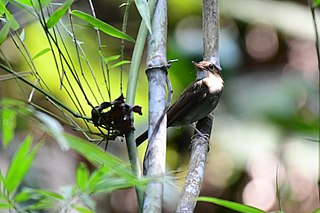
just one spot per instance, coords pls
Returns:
(211, 66)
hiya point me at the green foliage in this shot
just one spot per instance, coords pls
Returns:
(104, 27)
(42, 52)
(316, 3)
(143, 8)
(8, 19)
(110, 174)
(36, 4)
(231, 205)
(8, 124)
(316, 210)
(18, 168)
(58, 14)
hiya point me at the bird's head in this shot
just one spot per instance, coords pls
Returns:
(206, 69)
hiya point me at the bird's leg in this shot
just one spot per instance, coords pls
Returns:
(205, 136)
(199, 134)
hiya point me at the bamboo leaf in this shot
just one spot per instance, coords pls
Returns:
(119, 64)
(5, 206)
(111, 58)
(82, 176)
(9, 117)
(82, 209)
(58, 14)
(42, 52)
(104, 27)
(143, 8)
(35, 3)
(4, 32)
(20, 164)
(231, 205)
(98, 156)
(316, 3)
(9, 17)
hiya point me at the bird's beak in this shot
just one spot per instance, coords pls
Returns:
(197, 65)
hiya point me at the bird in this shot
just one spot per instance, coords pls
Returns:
(197, 101)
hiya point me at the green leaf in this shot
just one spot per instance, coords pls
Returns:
(42, 52)
(58, 14)
(316, 210)
(5, 206)
(119, 64)
(82, 176)
(54, 128)
(316, 3)
(231, 205)
(98, 156)
(111, 58)
(9, 121)
(35, 3)
(9, 17)
(104, 27)
(143, 8)
(4, 32)
(20, 164)
(82, 209)
(96, 177)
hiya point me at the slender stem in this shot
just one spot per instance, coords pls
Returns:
(130, 96)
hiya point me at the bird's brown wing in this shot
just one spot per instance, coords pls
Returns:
(193, 95)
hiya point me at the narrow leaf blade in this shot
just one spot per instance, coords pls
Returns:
(59, 13)
(119, 64)
(143, 8)
(9, 117)
(82, 176)
(104, 27)
(42, 52)
(231, 205)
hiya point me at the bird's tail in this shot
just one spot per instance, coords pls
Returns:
(142, 138)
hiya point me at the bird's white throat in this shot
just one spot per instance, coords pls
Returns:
(214, 83)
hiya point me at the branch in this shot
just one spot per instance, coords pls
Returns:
(156, 152)
(200, 146)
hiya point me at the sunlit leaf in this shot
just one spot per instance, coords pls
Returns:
(119, 64)
(58, 14)
(143, 8)
(20, 164)
(316, 3)
(316, 210)
(9, 117)
(9, 17)
(4, 32)
(42, 52)
(5, 206)
(82, 209)
(97, 177)
(35, 3)
(104, 27)
(231, 205)
(82, 176)
(98, 156)
(111, 58)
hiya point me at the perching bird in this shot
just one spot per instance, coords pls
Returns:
(197, 101)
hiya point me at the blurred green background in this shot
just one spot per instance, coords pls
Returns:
(266, 125)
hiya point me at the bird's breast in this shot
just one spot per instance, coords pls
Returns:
(214, 83)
